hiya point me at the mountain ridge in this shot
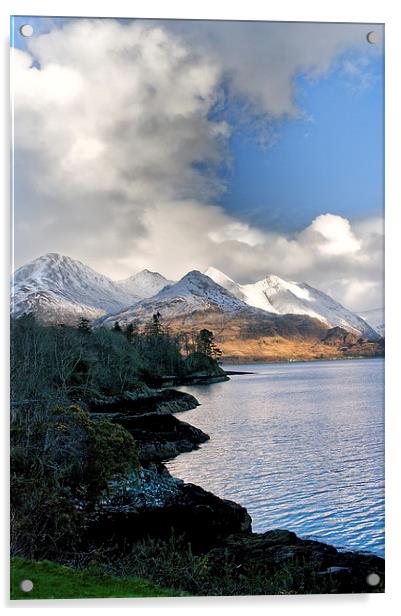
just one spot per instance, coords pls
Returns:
(56, 288)
(279, 296)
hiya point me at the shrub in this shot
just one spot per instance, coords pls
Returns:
(61, 462)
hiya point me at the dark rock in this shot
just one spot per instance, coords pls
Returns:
(321, 566)
(191, 512)
(145, 401)
(161, 437)
(203, 379)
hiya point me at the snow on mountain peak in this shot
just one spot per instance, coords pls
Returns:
(279, 296)
(144, 284)
(62, 289)
(194, 293)
(66, 288)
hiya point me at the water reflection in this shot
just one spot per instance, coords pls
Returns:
(300, 445)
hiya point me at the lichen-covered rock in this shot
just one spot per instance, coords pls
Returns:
(186, 510)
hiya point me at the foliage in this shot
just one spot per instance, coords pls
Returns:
(61, 462)
(173, 564)
(205, 344)
(82, 363)
(61, 457)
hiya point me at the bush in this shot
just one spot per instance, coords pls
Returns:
(172, 563)
(61, 462)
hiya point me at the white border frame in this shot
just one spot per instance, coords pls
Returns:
(286, 10)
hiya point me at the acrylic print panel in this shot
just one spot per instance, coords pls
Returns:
(197, 308)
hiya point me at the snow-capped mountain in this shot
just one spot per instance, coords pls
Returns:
(144, 284)
(375, 318)
(279, 296)
(194, 293)
(59, 289)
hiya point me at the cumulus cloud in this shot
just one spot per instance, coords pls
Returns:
(260, 59)
(117, 151)
(347, 265)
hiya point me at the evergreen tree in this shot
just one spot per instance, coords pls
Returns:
(131, 332)
(154, 328)
(83, 326)
(205, 344)
(117, 327)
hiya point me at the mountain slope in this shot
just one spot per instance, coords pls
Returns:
(243, 332)
(278, 296)
(144, 284)
(59, 289)
(375, 318)
(193, 294)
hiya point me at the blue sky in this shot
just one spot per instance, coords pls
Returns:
(239, 167)
(329, 161)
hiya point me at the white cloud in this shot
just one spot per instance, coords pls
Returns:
(117, 153)
(179, 239)
(260, 59)
(332, 235)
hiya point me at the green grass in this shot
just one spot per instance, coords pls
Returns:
(53, 581)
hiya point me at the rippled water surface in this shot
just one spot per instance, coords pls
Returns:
(299, 445)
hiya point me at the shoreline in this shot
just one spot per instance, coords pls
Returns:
(262, 361)
(219, 528)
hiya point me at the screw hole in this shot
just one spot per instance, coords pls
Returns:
(372, 37)
(26, 30)
(373, 579)
(26, 585)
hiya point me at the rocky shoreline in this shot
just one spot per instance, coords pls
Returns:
(153, 504)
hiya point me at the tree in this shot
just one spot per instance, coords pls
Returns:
(205, 344)
(131, 332)
(154, 328)
(84, 326)
(117, 327)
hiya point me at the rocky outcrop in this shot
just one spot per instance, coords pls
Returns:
(161, 436)
(148, 415)
(158, 505)
(321, 566)
(144, 401)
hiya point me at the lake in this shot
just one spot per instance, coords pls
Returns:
(300, 445)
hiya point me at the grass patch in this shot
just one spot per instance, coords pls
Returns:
(53, 581)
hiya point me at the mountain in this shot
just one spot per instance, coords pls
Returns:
(278, 296)
(58, 289)
(243, 332)
(144, 284)
(375, 318)
(194, 293)
(271, 320)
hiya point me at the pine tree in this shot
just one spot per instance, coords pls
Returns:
(154, 328)
(117, 327)
(131, 332)
(205, 344)
(84, 326)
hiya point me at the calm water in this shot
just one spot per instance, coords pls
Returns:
(299, 445)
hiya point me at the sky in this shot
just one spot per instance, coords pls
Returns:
(255, 147)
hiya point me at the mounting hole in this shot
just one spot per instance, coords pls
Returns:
(26, 30)
(373, 37)
(373, 579)
(26, 585)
